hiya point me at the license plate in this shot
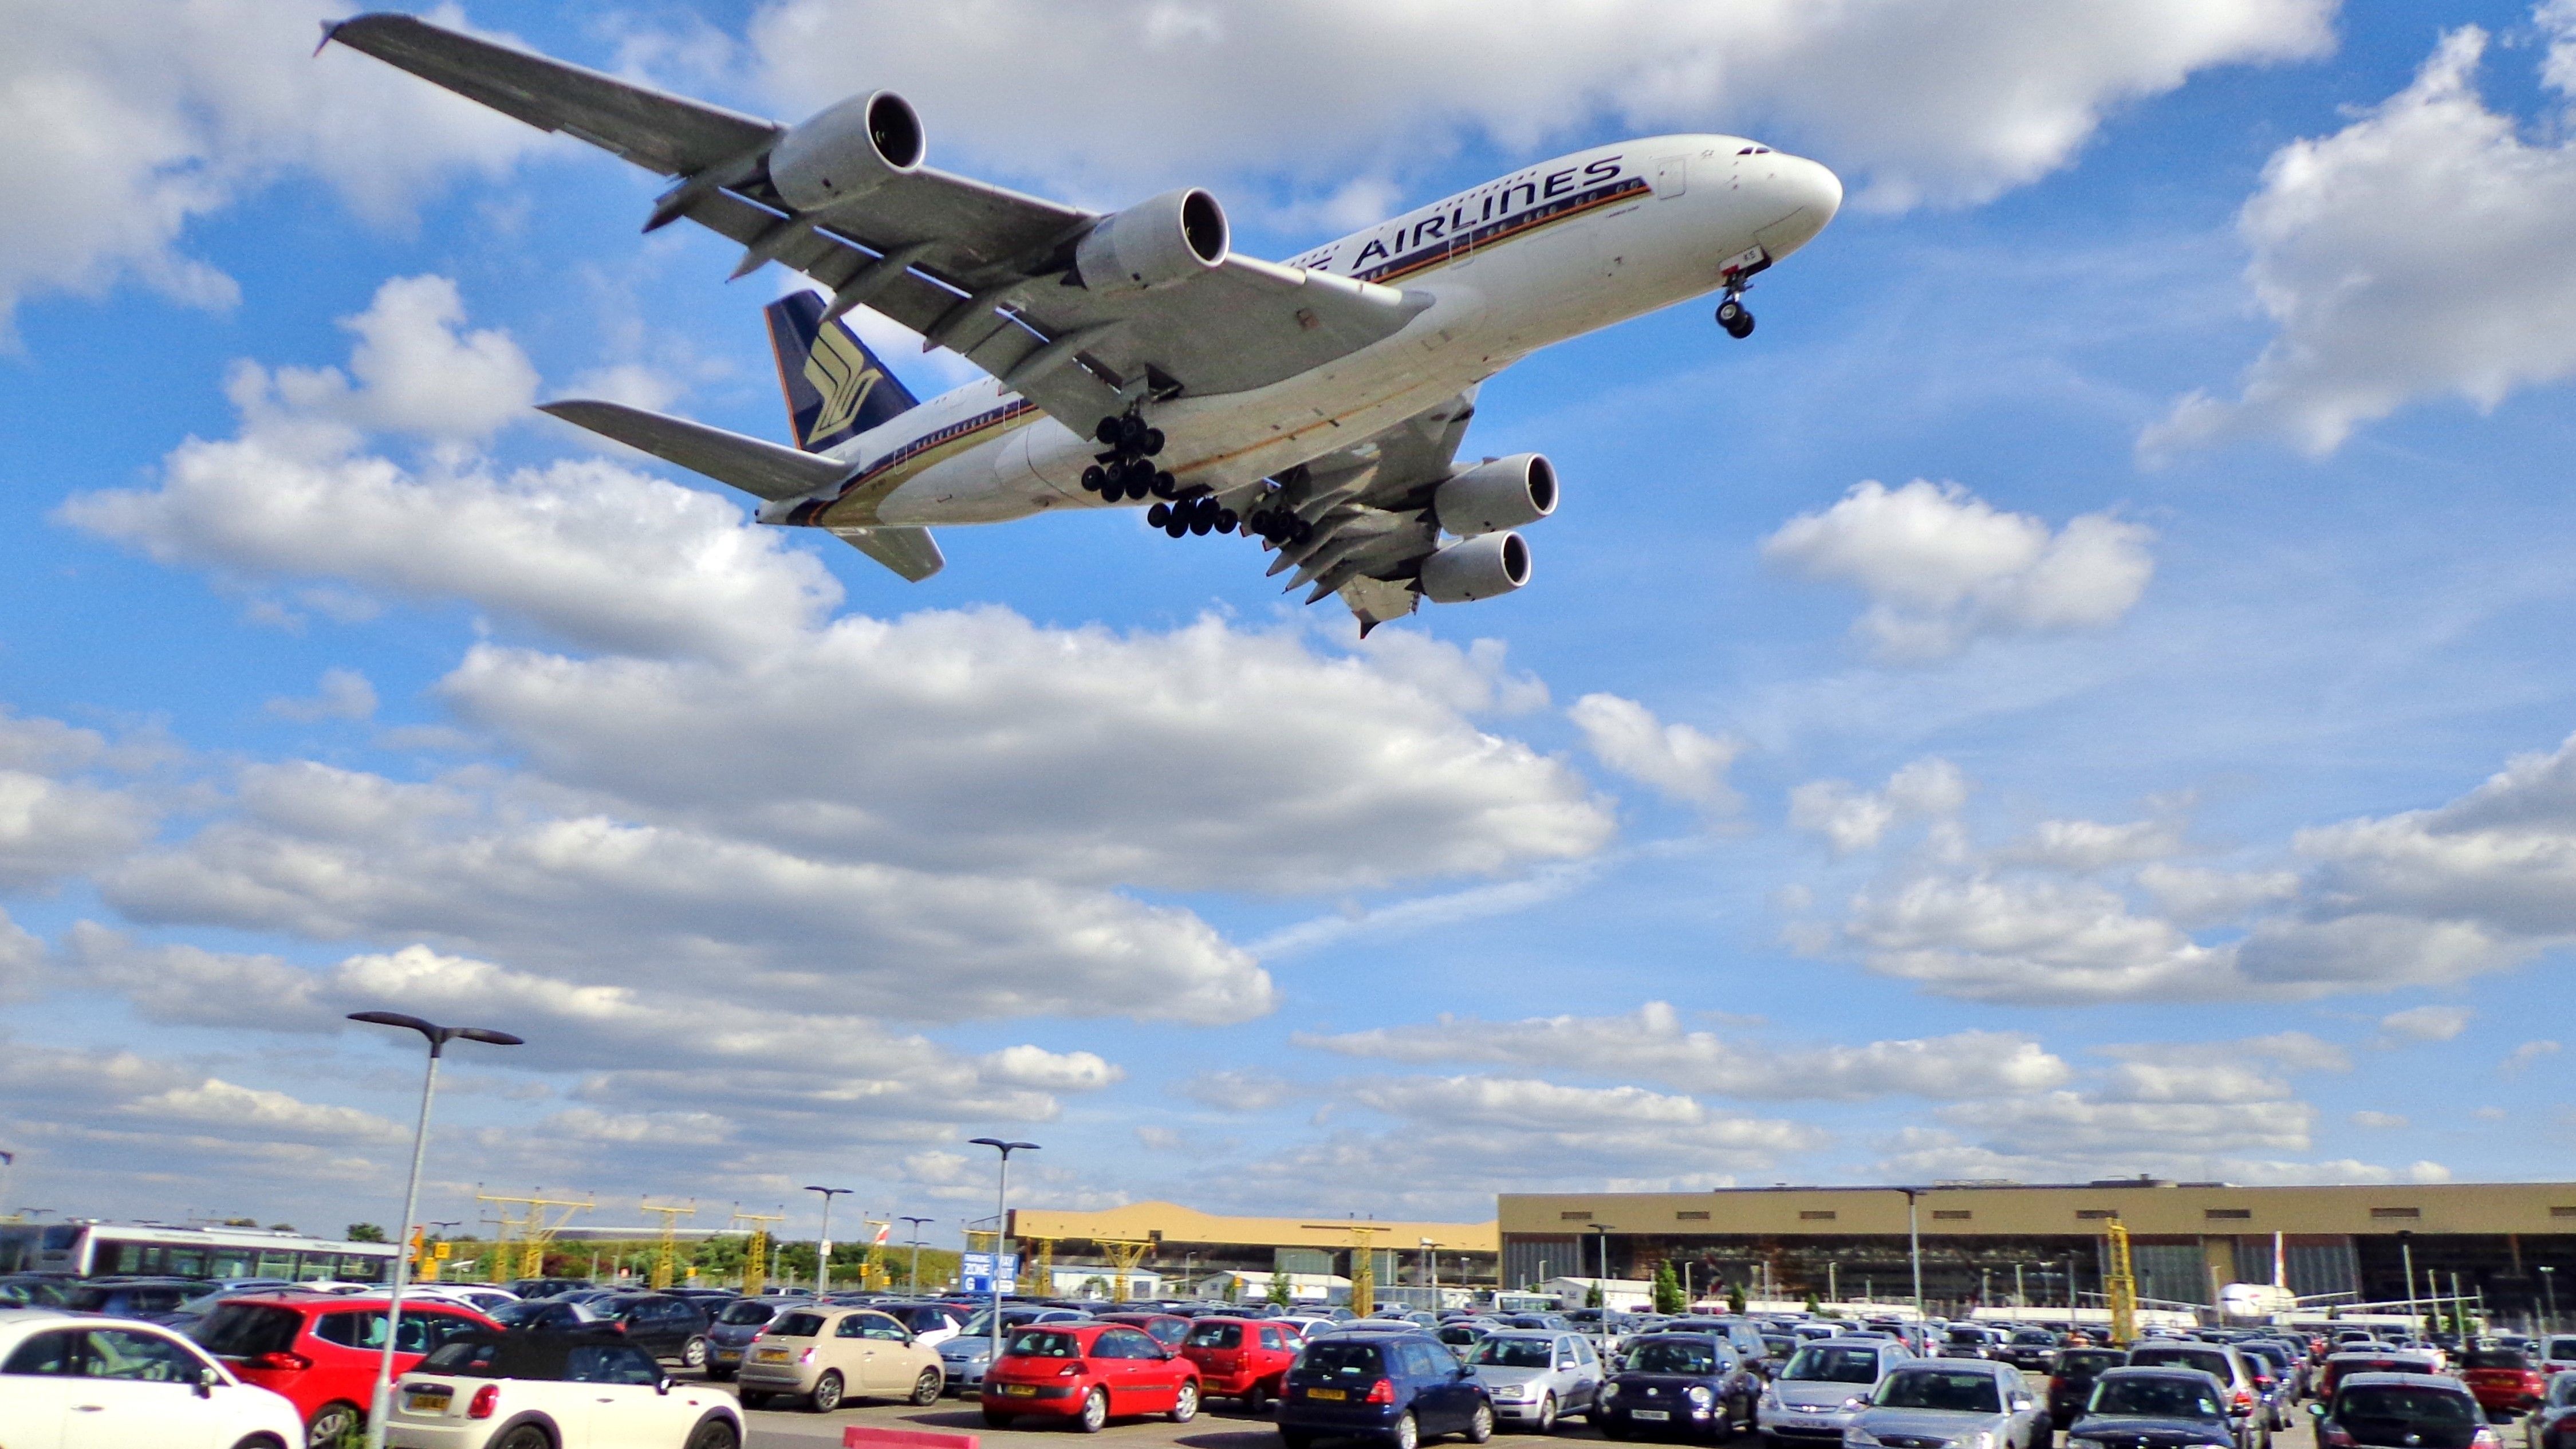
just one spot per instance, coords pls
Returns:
(428, 1401)
(1337, 1395)
(1657, 1415)
(773, 1355)
(728, 1353)
(1021, 1391)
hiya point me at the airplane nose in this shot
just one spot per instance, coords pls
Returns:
(1809, 195)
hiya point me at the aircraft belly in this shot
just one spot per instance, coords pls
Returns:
(988, 483)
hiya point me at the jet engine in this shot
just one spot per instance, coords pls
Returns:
(1491, 497)
(1476, 568)
(847, 151)
(1171, 238)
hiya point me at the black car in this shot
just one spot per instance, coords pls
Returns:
(130, 1297)
(1401, 1388)
(1692, 1384)
(2030, 1348)
(662, 1324)
(547, 1287)
(2070, 1380)
(2402, 1411)
(2156, 1408)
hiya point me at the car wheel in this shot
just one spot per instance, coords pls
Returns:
(693, 1354)
(1185, 1404)
(526, 1436)
(332, 1423)
(1408, 1433)
(827, 1392)
(1547, 1414)
(996, 1419)
(715, 1434)
(260, 1441)
(925, 1389)
(1480, 1425)
(754, 1399)
(1257, 1398)
(1095, 1412)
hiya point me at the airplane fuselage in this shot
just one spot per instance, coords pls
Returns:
(1544, 254)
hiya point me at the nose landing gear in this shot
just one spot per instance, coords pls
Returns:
(1732, 316)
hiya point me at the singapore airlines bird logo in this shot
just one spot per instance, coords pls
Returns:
(839, 371)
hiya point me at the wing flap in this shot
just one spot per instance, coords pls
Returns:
(754, 465)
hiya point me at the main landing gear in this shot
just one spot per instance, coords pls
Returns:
(1127, 470)
(1732, 316)
(1201, 515)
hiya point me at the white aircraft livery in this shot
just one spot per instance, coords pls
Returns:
(1314, 405)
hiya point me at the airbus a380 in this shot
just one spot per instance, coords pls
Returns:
(1316, 405)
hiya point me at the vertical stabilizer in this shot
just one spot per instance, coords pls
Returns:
(836, 388)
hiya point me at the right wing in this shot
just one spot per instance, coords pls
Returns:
(973, 267)
(1366, 512)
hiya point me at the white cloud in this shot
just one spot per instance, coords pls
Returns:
(1653, 1044)
(2418, 252)
(1239, 1090)
(1941, 566)
(1851, 819)
(1029, 1066)
(1943, 101)
(2425, 1023)
(1990, 938)
(2195, 896)
(2524, 1055)
(1675, 759)
(416, 371)
(129, 120)
(2080, 847)
(342, 694)
(2379, 1121)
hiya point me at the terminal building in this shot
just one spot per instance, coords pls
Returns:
(2505, 1244)
(1190, 1250)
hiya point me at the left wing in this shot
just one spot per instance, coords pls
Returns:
(973, 267)
(1363, 515)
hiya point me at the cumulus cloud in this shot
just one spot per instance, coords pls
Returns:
(1852, 819)
(2081, 847)
(2377, 309)
(417, 371)
(342, 694)
(1652, 1043)
(1941, 101)
(1941, 566)
(1674, 759)
(2378, 1121)
(2524, 1055)
(129, 120)
(2424, 1023)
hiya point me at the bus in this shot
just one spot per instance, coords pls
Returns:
(87, 1248)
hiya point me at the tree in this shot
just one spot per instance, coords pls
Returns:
(1279, 1294)
(1735, 1298)
(1668, 1289)
(1592, 1295)
(241, 1222)
(366, 1233)
(1813, 1307)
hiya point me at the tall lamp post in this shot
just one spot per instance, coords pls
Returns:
(1914, 1244)
(1001, 1233)
(1605, 1230)
(916, 1247)
(823, 1253)
(381, 1401)
(2549, 1294)
(2406, 1253)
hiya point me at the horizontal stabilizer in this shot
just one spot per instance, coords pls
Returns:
(911, 552)
(757, 467)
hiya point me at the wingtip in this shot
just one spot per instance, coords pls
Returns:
(330, 32)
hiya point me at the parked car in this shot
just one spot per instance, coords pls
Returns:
(1401, 1388)
(2557, 1353)
(131, 1297)
(740, 1321)
(2285, 1366)
(35, 1290)
(1167, 1329)
(561, 1313)
(2030, 1348)
(1532, 1378)
(2341, 1365)
(962, 1358)
(2502, 1381)
(1463, 1335)
(932, 1324)
(1244, 1359)
(2402, 1411)
(1816, 1393)
(664, 1325)
(2070, 1380)
(540, 1390)
(1687, 1383)
(2246, 1398)
(1966, 1404)
(76, 1381)
(1970, 1340)
(2553, 1424)
(1088, 1373)
(321, 1351)
(824, 1354)
(2156, 1408)
(547, 1287)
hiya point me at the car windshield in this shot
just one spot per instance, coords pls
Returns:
(749, 1310)
(1217, 1335)
(1671, 1356)
(467, 1357)
(2406, 1402)
(1967, 1335)
(1044, 1343)
(1339, 1360)
(1818, 1364)
(1498, 1352)
(2159, 1397)
(2494, 1358)
(1965, 1393)
(2560, 1348)
(800, 1324)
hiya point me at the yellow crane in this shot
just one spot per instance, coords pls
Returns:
(1042, 1264)
(1363, 1262)
(666, 1252)
(2120, 1287)
(1124, 1255)
(755, 1250)
(527, 1236)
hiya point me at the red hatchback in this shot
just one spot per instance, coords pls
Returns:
(2504, 1382)
(1088, 1373)
(322, 1351)
(1242, 1357)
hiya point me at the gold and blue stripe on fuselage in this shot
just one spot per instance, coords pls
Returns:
(889, 472)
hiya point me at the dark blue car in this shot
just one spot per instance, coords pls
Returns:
(1401, 1388)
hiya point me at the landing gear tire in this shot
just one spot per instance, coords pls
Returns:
(1094, 478)
(1732, 316)
(1138, 485)
(1151, 443)
(1159, 515)
(1163, 485)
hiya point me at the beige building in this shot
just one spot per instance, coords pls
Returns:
(1177, 1241)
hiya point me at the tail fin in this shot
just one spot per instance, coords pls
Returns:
(836, 388)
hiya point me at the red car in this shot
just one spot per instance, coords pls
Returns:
(1167, 1329)
(1088, 1372)
(322, 1350)
(1242, 1357)
(2503, 1381)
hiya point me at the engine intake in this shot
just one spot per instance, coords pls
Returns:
(1491, 497)
(846, 151)
(1171, 238)
(1476, 568)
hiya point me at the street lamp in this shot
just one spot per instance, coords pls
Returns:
(1001, 1232)
(438, 1037)
(823, 1255)
(916, 1247)
(1914, 1245)
(1431, 1260)
(1605, 1230)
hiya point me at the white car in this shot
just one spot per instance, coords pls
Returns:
(78, 1382)
(555, 1391)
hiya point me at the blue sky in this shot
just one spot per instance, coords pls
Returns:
(2082, 690)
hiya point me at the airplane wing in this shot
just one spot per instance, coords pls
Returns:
(982, 270)
(1365, 513)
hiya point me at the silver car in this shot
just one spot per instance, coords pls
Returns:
(1821, 1388)
(1948, 1404)
(1534, 1377)
(963, 1359)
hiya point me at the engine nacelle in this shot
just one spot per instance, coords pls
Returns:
(1171, 238)
(846, 152)
(1491, 497)
(1476, 568)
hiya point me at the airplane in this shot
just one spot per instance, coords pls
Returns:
(1315, 405)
